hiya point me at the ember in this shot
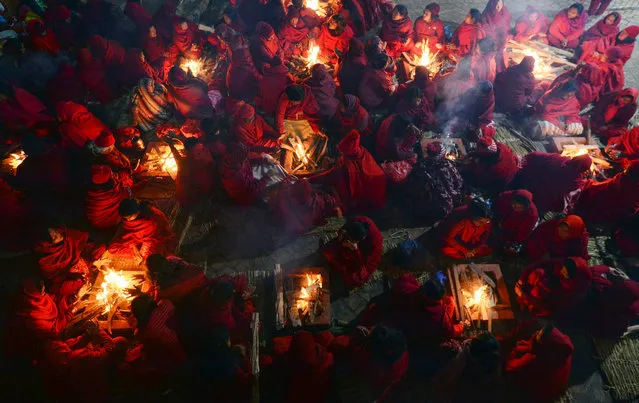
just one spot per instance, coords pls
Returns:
(15, 159)
(194, 66)
(169, 165)
(426, 59)
(308, 296)
(115, 290)
(307, 302)
(575, 150)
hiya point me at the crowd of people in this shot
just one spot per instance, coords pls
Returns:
(229, 122)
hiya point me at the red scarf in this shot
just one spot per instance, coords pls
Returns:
(467, 36)
(324, 90)
(77, 124)
(601, 29)
(496, 23)
(183, 38)
(58, 259)
(525, 29)
(616, 105)
(149, 233)
(101, 205)
(516, 225)
(397, 30)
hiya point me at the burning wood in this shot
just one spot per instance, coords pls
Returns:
(13, 161)
(193, 66)
(549, 62)
(159, 160)
(426, 59)
(323, 8)
(312, 54)
(114, 291)
(203, 68)
(304, 149)
(598, 163)
(305, 301)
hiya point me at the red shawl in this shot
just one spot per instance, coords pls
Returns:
(590, 81)
(101, 205)
(484, 67)
(242, 78)
(353, 117)
(357, 266)
(489, 171)
(601, 29)
(423, 82)
(299, 209)
(514, 87)
(77, 124)
(257, 136)
(324, 90)
(614, 308)
(150, 233)
(545, 240)
(59, 259)
(496, 23)
(562, 28)
(515, 226)
(627, 143)
(556, 110)
(467, 36)
(375, 88)
(263, 49)
(615, 78)
(609, 116)
(393, 146)
(357, 179)
(23, 110)
(293, 38)
(611, 201)
(183, 38)
(42, 38)
(547, 362)
(567, 174)
(603, 44)
(459, 235)
(109, 52)
(432, 33)
(396, 33)
(189, 95)
(422, 115)
(154, 48)
(239, 182)
(352, 68)
(306, 110)
(272, 84)
(92, 75)
(334, 47)
(525, 30)
(165, 18)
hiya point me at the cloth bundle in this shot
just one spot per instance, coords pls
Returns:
(549, 129)
(150, 105)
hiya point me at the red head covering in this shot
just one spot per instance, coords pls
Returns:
(105, 139)
(100, 174)
(246, 112)
(434, 9)
(349, 146)
(614, 54)
(434, 149)
(632, 31)
(487, 143)
(264, 30)
(576, 225)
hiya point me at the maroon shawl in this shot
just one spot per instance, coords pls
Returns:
(324, 90)
(515, 226)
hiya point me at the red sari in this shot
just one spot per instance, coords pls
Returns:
(514, 87)
(460, 236)
(545, 240)
(334, 48)
(324, 90)
(601, 29)
(564, 29)
(396, 33)
(102, 203)
(491, 171)
(496, 24)
(42, 38)
(357, 179)
(485, 67)
(560, 112)
(627, 144)
(242, 77)
(258, 136)
(432, 33)
(515, 226)
(467, 36)
(526, 30)
(607, 42)
(154, 49)
(72, 255)
(353, 117)
(149, 233)
(184, 38)
(263, 48)
(107, 51)
(273, 82)
(610, 118)
(293, 39)
(23, 111)
(298, 208)
(306, 110)
(356, 266)
(394, 140)
(77, 124)
(238, 180)
(352, 68)
(376, 88)
(189, 95)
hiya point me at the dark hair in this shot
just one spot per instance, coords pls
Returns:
(479, 209)
(521, 200)
(413, 92)
(475, 14)
(142, 308)
(485, 87)
(571, 267)
(403, 11)
(340, 21)
(380, 61)
(386, 344)
(433, 289)
(295, 92)
(128, 207)
(356, 230)
(486, 351)
(486, 45)
(578, 7)
(568, 87)
(221, 291)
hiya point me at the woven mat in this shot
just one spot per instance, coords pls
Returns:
(620, 366)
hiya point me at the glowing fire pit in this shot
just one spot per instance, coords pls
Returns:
(453, 148)
(159, 161)
(304, 149)
(549, 62)
(304, 298)
(202, 68)
(426, 59)
(576, 146)
(13, 161)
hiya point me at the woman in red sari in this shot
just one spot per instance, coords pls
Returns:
(429, 28)
(589, 79)
(356, 252)
(265, 46)
(351, 115)
(514, 87)
(540, 355)
(359, 182)
(242, 78)
(469, 33)
(93, 76)
(397, 31)
(609, 25)
(613, 70)
(352, 68)
(464, 233)
(377, 86)
(612, 113)
(334, 38)
(594, 51)
(557, 112)
(559, 238)
(515, 216)
(274, 80)
(77, 124)
(612, 201)
(415, 105)
(491, 168)
(324, 90)
(154, 47)
(625, 146)
(533, 25)
(237, 177)
(566, 173)
(42, 38)
(185, 34)
(293, 34)
(484, 65)
(423, 82)
(496, 21)
(252, 130)
(554, 287)
(105, 193)
(145, 230)
(189, 95)
(567, 27)
(395, 139)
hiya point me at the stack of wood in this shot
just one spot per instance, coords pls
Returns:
(549, 61)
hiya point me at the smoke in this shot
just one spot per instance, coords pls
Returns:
(37, 68)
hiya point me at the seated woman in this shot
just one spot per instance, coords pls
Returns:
(557, 112)
(274, 81)
(567, 27)
(491, 168)
(514, 87)
(567, 174)
(495, 20)
(242, 78)
(103, 152)
(356, 252)
(415, 105)
(293, 34)
(296, 103)
(625, 146)
(397, 31)
(429, 28)
(352, 68)
(590, 80)
(422, 81)
(469, 33)
(189, 95)
(237, 176)
(464, 233)
(252, 130)
(106, 192)
(624, 40)
(559, 238)
(611, 201)
(613, 70)
(484, 66)
(475, 113)
(532, 26)
(324, 90)
(265, 45)
(434, 184)
(351, 115)
(395, 139)
(538, 355)
(334, 38)
(515, 217)
(298, 208)
(359, 182)
(144, 231)
(612, 113)
(609, 25)
(377, 85)
(554, 287)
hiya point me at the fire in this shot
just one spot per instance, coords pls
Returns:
(300, 151)
(315, 6)
(451, 156)
(541, 68)
(114, 290)
(169, 165)
(15, 159)
(312, 56)
(576, 150)
(309, 292)
(194, 66)
(477, 298)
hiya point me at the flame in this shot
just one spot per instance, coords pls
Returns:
(194, 66)
(451, 156)
(541, 68)
(315, 6)
(312, 55)
(15, 159)
(577, 150)
(114, 289)
(300, 152)
(307, 293)
(477, 298)
(427, 58)
(170, 165)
